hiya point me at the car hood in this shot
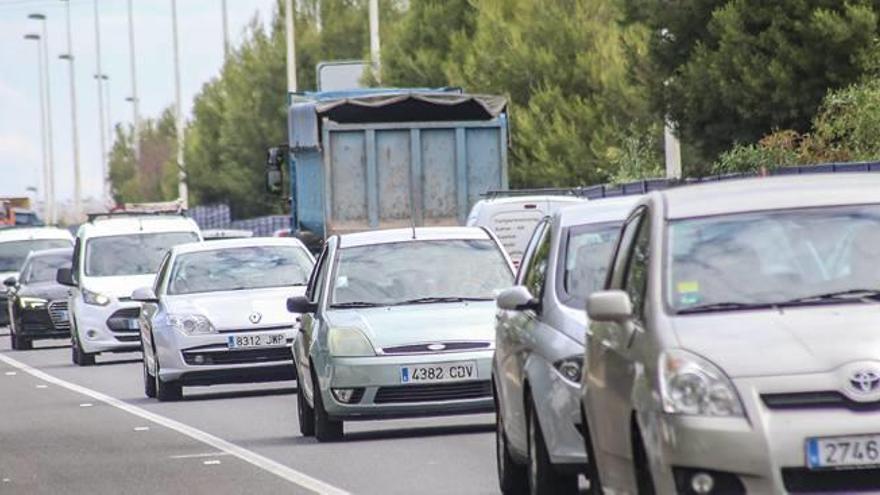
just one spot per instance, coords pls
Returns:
(118, 287)
(419, 323)
(784, 342)
(44, 290)
(231, 310)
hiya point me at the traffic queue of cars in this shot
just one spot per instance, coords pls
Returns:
(709, 339)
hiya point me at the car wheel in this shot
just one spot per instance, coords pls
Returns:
(592, 470)
(512, 477)
(22, 343)
(12, 343)
(543, 477)
(149, 382)
(169, 391)
(305, 414)
(80, 356)
(326, 429)
(644, 481)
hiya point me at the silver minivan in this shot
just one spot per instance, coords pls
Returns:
(540, 346)
(736, 346)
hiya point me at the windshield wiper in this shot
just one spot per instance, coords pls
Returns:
(356, 304)
(441, 299)
(834, 297)
(723, 306)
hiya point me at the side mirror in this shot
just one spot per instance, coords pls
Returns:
(301, 305)
(11, 282)
(275, 158)
(517, 298)
(610, 306)
(64, 276)
(145, 295)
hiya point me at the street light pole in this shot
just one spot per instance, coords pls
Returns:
(375, 57)
(50, 186)
(101, 126)
(77, 184)
(225, 31)
(182, 193)
(289, 15)
(135, 133)
(36, 37)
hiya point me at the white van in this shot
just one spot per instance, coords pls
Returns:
(513, 218)
(115, 254)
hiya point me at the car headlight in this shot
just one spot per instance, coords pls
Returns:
(32, 302)
(349, 342)
(570, 368)
(191, 324)
(689, 384)
(95, 298)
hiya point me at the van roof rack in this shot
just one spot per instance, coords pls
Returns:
(133, 213)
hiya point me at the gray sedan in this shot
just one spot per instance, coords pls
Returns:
(540, 347)
(216, 314)
(398, 323)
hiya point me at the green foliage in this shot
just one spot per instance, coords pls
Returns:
(738, 69)
(153, 176)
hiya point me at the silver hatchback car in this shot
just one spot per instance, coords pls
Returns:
(398, 323)
(736, 346)
(539, 351)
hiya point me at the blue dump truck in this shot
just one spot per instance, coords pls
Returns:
(383, 158)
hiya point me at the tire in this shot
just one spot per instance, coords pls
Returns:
(22, 343)
(512, 477)
(12, 340)
(543, 477)
(592, 471)
(149, 382)
(169, 391)
(644, 480)
(305, 414)
(326, 429)
(81, 357)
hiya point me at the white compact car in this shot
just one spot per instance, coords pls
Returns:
(513, 219)
(217, 313)
(115, 254)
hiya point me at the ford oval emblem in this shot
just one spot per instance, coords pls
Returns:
(255, 317)
(436, 347)
(865, 381)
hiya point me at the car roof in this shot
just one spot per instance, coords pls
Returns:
(771, 193)
(122, 225)
(597, 211)
(28, 233)
(194, 247)
(406, 235)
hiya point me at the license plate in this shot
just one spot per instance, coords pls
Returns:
(843, 452)
(438, 373)
(256, 340)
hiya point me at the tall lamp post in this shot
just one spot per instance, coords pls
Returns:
(135, 133)
(77, 185)
(101, 126)
(36, 37)
(50, 148)
(182, 192)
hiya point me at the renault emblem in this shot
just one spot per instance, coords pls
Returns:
(255, 317)
(865, 381)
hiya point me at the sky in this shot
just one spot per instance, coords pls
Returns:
(201, 56)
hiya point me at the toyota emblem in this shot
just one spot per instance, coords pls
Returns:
(255, 317)
(865, 381)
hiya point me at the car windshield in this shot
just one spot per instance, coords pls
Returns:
(773, 258)
(587, 252)
(44, 268)
(429, 271)
(241, 268)
(13, 253)
(131, 254)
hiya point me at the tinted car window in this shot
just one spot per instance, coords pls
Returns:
(131, 254)
(44, 268)
(13, 253)
(585, 258)
(400, 272)
(239, 269)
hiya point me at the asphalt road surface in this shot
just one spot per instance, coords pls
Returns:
(72, 430)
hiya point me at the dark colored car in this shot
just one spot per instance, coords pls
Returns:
(37, 303)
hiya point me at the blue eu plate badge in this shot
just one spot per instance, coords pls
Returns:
(404, 375)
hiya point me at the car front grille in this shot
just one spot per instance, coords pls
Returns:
(802, 480)
(816, 400)
(433, 392)
(248, 356)
(118, 321)
(424, 348)
(58, 314)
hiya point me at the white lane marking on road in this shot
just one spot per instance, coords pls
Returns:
(287, 473)
(42, 385)
(86, 404)
(10, 373)
(197, 456)
(212, 462)
(6, 480)
(141, 428)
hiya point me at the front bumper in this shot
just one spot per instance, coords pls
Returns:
(381, 395)
(765, 452)
(94, 331)
(44, 323)
(557, 403)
